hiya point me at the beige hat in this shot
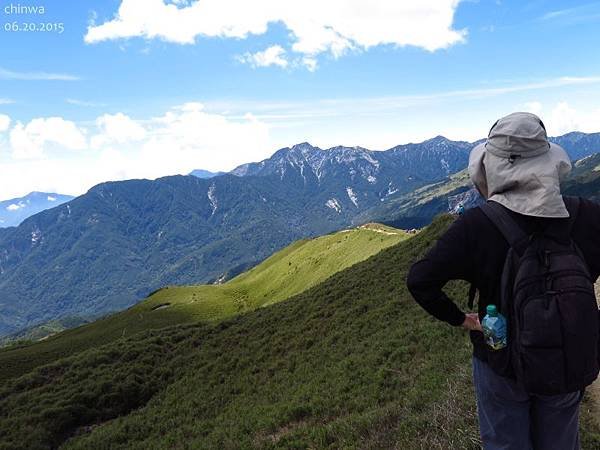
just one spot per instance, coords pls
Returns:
(519, 168)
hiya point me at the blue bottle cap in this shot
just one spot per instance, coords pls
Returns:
(492, 310)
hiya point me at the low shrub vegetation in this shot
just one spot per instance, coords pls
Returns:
(352, 362)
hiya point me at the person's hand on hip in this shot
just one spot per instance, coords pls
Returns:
(472, 322)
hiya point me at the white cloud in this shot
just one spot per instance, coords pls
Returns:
(117, 128)
(333, 26)
(353, 106)
(15, 206)
(192, 136)
(277, 56)
(182, 139)
(565, 118)
(28, 141)
(6, 74)
(187, 137)
(4, 122)
(533, 107)
(272, 56)
(310, 63)
(589, 12)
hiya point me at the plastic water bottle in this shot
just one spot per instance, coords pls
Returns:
(494, 328)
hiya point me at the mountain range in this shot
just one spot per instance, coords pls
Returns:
(107, 249)
(16, 210)
(417, 208)
(578, 144)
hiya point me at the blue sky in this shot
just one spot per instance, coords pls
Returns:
(138, 88)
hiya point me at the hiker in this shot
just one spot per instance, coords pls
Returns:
(527, 397)
(460, 209)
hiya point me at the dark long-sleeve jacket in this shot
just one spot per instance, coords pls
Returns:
(473, 249)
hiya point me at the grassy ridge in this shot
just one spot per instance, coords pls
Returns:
(350, 363)
(299, 266)
(296, 268)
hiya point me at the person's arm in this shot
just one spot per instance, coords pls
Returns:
(449, 259)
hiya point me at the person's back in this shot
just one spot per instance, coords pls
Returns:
(478, 250)
(474, 249)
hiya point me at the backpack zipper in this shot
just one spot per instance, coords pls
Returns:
(563, 273)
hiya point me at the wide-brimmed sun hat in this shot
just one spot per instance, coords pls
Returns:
(518, 167)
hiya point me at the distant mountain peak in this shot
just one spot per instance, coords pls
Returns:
(438, 138)
(15, 210)
(201, 173)
(303, 150)
(304, 145)
(343, 148)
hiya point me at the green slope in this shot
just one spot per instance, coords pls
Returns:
(42, 331)
(299, 266)
(584, 180)
(288, 272)
(417, 208)
(351, 363)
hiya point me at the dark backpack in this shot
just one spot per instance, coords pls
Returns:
(547, 296)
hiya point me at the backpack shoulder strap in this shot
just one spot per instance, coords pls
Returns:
(561, 229)
(513, 234)
(572, 204)
(501, 218)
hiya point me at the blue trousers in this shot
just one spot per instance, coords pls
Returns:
(511, 419)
